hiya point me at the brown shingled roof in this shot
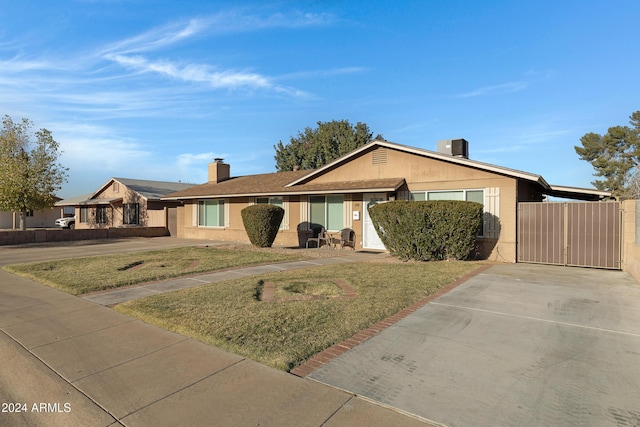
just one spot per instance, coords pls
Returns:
(265, 183)
(273, 184)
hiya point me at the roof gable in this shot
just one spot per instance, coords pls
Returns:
(323, 181)
(424, 153)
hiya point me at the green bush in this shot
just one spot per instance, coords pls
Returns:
(261, 223)
(431, 230)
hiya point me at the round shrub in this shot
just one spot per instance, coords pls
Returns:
(261, 222)
(428, 230)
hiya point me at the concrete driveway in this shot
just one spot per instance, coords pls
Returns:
(519, 344)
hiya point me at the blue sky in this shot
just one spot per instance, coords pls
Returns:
(157, 89)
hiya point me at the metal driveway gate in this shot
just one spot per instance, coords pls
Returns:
(583, 234)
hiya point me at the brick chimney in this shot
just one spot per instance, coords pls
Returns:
(219, 171)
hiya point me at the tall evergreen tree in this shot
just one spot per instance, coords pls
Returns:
(30, 174)
(615, 156)
(313, 148)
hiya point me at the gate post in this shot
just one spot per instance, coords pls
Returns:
(565, 244)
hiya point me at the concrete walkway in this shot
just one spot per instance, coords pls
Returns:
(117, 296)
(70, 361)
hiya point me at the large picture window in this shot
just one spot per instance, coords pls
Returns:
(131, 214)
(327, 211)
(468, 195)
(211, 213)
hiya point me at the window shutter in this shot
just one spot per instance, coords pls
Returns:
(194, 213)
(492, 212)
(304, 213)
(226, 212)
(285, 219)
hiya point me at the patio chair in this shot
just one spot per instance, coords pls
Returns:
(319, 236)
(347, 238)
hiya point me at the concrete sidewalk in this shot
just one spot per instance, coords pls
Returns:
(71, 361)
(120, 295)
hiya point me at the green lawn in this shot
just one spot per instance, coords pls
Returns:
(83, 275)
(286, 333)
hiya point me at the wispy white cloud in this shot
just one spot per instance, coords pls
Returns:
(234, 21)
(510, 87)
(20, 65)
(93, 147)
(130, 53)
(194, 73)
(188, 160)
(192, 167)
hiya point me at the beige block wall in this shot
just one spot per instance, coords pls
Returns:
(630, 239)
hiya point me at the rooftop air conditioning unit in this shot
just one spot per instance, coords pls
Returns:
(454, 147)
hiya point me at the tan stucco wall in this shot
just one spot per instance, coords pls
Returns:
(411, 167)
(235, 231)
(420, 173)
(630, 238)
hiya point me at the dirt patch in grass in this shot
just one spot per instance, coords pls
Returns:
(284, 335)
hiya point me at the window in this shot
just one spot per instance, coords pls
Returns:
(271, 201)
(468, 195)
(131, 214)
(418, 197)
(101, 214)
(211, 213)
(84, 214)
(29, 213)
(327, 211)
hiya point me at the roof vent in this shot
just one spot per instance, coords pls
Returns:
(379, 156)
(454, 147)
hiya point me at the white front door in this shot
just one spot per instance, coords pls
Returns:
(370, 239)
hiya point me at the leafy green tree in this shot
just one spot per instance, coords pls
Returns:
(30, 174)
(614, 155)
(314, 148)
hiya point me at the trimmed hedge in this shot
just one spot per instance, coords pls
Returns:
(428, 230)
(261, 223)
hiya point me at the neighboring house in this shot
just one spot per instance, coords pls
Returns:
(338, 194)
(123, 202)
(35, 219)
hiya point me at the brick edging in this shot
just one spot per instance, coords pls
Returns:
(336, 350)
